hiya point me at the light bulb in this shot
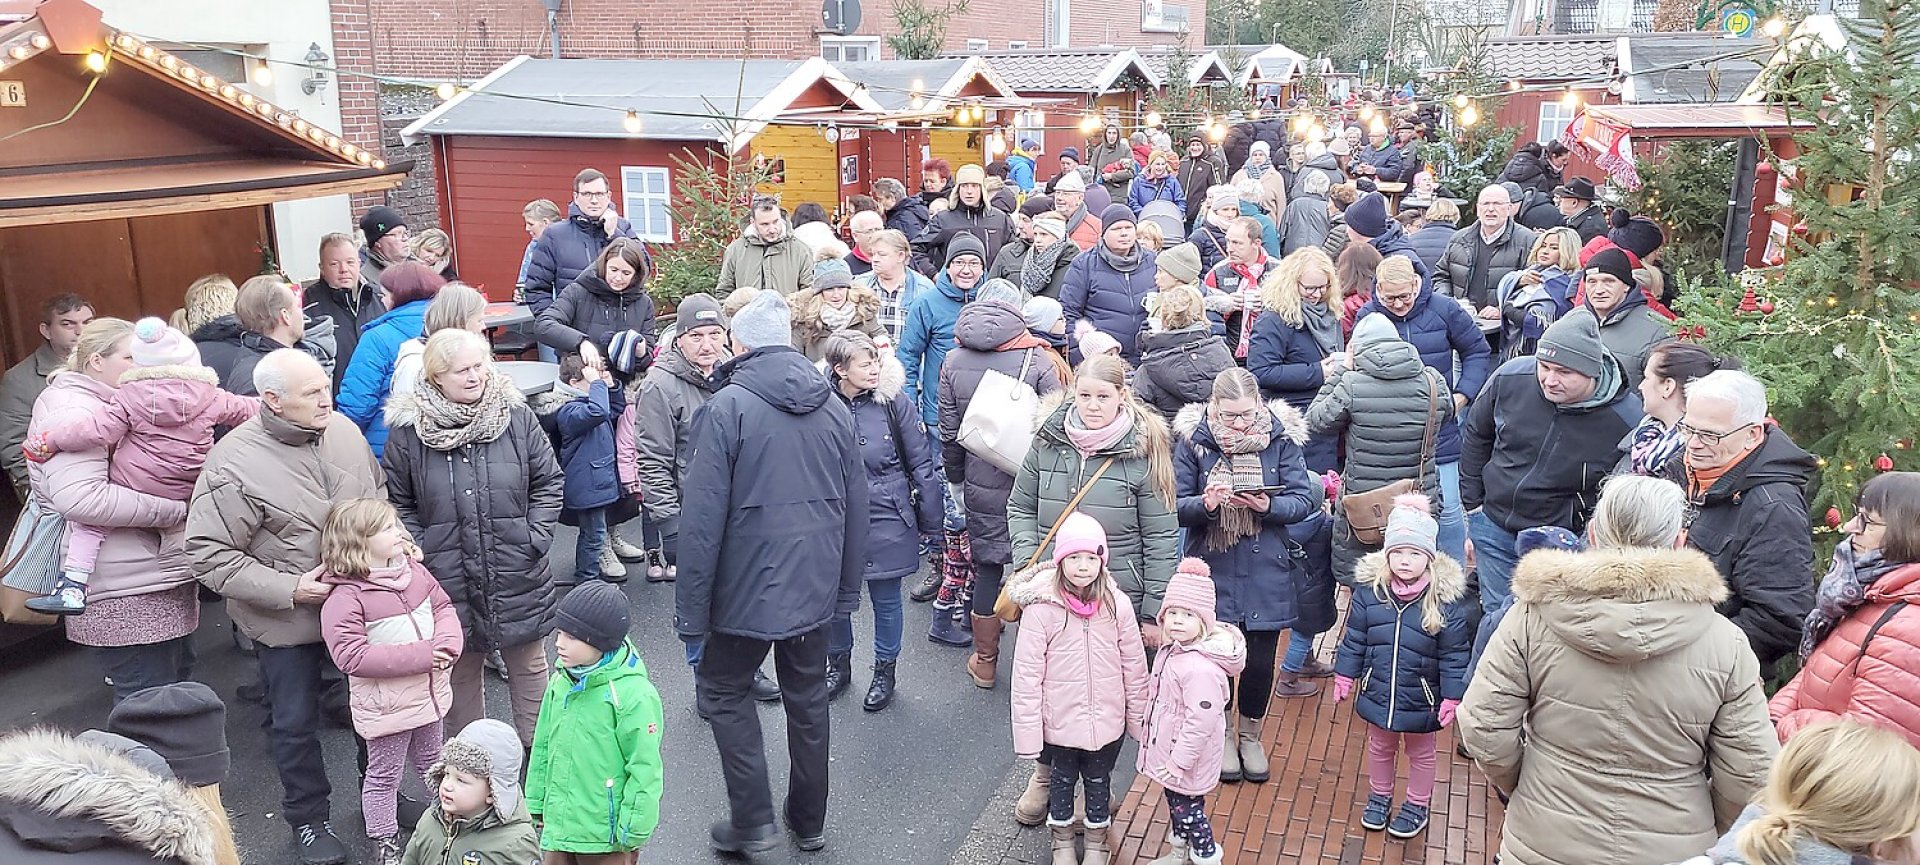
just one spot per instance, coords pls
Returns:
(1774, 27)
(632, 123)
(1469, 116)
(96, 62)
(1571, 99)
(1460, 101)
(445, 91)
(262, 74)
(1153, 118)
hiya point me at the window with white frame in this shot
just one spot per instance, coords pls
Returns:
(849, 49)
(1554, 117)
(645, 194)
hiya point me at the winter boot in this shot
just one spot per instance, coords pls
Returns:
(1097, 852)
(1031, 809)
(1063, 846)
(929, 585)
(1292, 685)
(388, 851)
(839, 674)
(1253, 754)
(611, 568)
(880, 693)
(985, 660)
(1316, 669)
(946, 629)
(68, 598)
(656, 566)
(1230, 758)
(1176, 853)
(623, 548)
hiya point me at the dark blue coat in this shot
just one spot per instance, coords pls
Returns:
(1430, 243)
(1400, 671)
(1212, 243)
(564, 251)
(899, 464)
(1257, 581)
(586, 446)
(1113, 302)
(1395, 242)
(1286, 361)
(1437, 327)
(773, 528)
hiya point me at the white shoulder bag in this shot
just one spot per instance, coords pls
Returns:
(998, 424)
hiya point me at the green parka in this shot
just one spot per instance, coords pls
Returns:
(1141, 527)
(595, 776)
(483, 840)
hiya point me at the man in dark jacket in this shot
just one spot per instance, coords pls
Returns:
(1746, 485)
(905, 213)
(970, 213)
(775, 536)
(62, 317)
(677, 385)
(570, 246)
(1481, 254)
(1542, 436)
(1368, 219)
(344, 295)
(385, 230)
(1578, 210)
(266, 317)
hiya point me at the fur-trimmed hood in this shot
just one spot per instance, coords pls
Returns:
(806, 310)
(1622, 606)
(1224, 645)
(1292, 423)
(167, 396)
(1449, 581)
(404, 409)
(1036, 585)
(1150, 437)
(83, 796)
(893, 378)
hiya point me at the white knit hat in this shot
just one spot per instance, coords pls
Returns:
(156, 344)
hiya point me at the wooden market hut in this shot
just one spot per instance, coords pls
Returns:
(919, 100)
(126, 173)
(523, 131)
(1069, 83)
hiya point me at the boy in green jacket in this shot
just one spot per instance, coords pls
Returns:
(594, 781)
(476, 818)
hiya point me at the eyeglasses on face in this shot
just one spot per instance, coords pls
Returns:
(1710, 439)
(1239, 417)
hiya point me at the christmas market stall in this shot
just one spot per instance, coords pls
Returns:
(1080, 89)
(953, 108)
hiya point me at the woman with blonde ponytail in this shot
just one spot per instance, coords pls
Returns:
(1842, 793)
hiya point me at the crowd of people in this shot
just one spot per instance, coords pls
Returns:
(1172, 413)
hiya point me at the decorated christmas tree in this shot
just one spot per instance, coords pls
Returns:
(1834, 330)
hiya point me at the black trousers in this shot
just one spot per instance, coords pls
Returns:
(1093, 770)
(292, 677)
(986, 586)
(725, 677)
(137, 668)
(1256, 681)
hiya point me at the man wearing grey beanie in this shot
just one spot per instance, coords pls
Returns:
(770, 573)
(1541, 437)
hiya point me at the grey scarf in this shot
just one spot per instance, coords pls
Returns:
(1037, 274)
(446, 425)
(1323, 326)
(1127, 263)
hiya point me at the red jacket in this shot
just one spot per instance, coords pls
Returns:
(1880, 686)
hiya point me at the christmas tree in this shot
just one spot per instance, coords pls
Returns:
(1834, 330)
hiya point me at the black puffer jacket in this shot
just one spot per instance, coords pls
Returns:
(1753, 523)
(1177, 367)
(773, 530)
(349, 310)
(1530, 169)
(565, 250)
(1530, 462)
(978, 335)
(986, 222)
(590, 309)
(909, 217)
(232, 351)
(1455, 277)
(484, 516)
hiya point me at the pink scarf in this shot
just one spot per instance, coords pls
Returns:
(1083, 609)
(1092, 441)
(1409, 591)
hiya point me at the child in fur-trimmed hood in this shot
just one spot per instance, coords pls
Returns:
(1187, 714)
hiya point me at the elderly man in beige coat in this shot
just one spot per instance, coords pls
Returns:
(253, 535)
(1621, 714)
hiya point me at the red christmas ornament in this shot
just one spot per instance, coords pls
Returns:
(1833, 518)
(1883, 463)
(1766, 307)
(1749, 302)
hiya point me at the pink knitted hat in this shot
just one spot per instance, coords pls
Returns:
(156, 344)
(1191, 589)
(1079, 534)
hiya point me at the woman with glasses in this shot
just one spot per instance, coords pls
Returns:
(1297, 343)
(1663, 393)
(1242, 482)
(1861, 649)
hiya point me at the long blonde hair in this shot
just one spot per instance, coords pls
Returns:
(100, 336)
(1280, 291)
(208, 798)
(343, 540)
(1844, 784)
(1146, 422)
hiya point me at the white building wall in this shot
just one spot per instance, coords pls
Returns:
(281, 30)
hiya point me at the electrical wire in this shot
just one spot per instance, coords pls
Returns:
(84, 96)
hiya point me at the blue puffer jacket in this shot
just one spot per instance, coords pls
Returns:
(1113, 302)
(1430, 243)
(1020, 171)
(1145, 190)
(1401, 672)
(899, 463)
(1395, 242)
(369, 376)
(586, 446)
(925, 340)
(1437, 327)
(1286, 361)
(564, 251)
(1269, 230)
(1257, 581)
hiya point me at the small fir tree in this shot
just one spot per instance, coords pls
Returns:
(921, 29)
(1835, 330)
(711, 199)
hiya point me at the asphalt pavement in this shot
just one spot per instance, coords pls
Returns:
(929, 780)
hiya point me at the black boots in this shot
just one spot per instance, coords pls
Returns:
(929, 586)
(946, 629)
(880, 693)
(839, 675)
(764, 689)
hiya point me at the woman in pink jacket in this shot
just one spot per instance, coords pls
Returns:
(393, 631)
(143, 607)
(1079, 680)
(1187, 719)
(158, 430)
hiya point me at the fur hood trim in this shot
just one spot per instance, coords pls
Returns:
(1150, 433)
(55, 774)
(1293, 424)
(1629, 576)
(403, 410)
(893, 377)
(806, 310)
(1448, 580)
(200, 374)
(1035, 585)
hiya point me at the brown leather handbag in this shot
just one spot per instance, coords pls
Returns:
(1004, 606)
(1367, 512)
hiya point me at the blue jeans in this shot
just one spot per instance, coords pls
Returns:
(888, 621)
(1453, 522)
(1299, 651)
(593, 540)
(1493, 548)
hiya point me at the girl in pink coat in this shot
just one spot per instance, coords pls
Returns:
(159, 429)
(1079, 681)
(1187, 718)
(394, 632)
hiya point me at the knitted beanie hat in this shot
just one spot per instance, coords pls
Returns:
(1222, 197)
(1574, 342)
(596, 613)
(380, 221)
(487, 749)
(831, 273)
(764, 321)
(1052, 224)
(1041, 312)
(965, 243)
(1546, 538)
(1614, 263)
(1367, 216)
(1036, 205)
(1411, 524)
(1191, 589)
(1371, 329)
(1070, 152)
(1094, 342)
(1114, 215)
(699, 310)
(1002, 292)
(1079, 534)
(156, 344)
(1182, 262)
(185, 723)
(1070, 181)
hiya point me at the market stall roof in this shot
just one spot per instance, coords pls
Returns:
(1549, 58)
(1688, 67)
(1093, 70)
(113, 126)
(1719, 120)
(895, 84)
(1202, 69)
(724, 101)
(1272, 64)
